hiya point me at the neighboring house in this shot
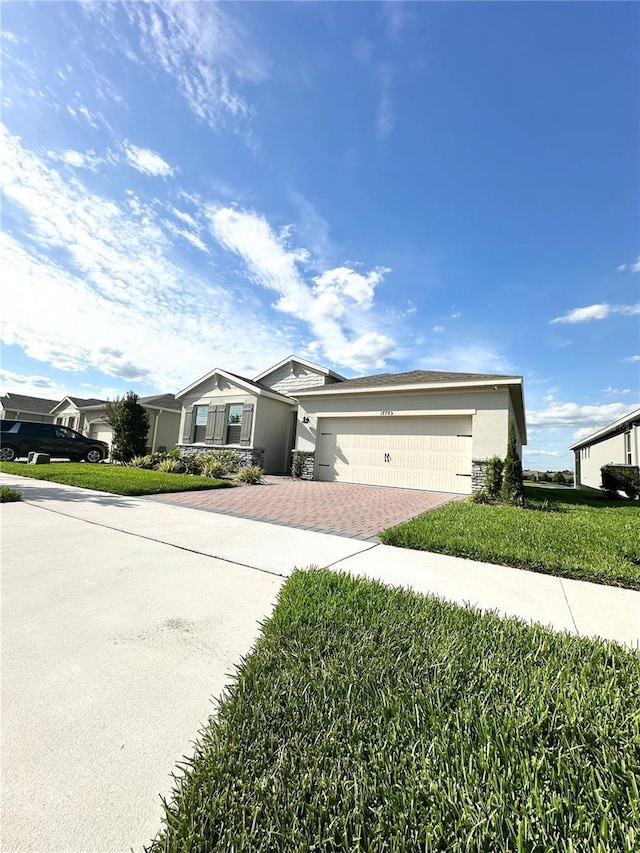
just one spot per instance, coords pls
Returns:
(616, 444)
(16, 406)
(88, 416)
(256, 417)
(425, 429)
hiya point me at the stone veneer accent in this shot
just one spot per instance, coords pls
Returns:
(478, 474)
(308, 463)
(248, 455)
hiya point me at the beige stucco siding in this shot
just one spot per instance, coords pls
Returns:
(489, 409)
(272, 425)
(610, 451)
(71, 411)
(223, 394)
(167, 431)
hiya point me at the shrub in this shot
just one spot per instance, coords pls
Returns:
(170, 465)
(480, 497)
(9, 495)
(621, 478)
(558, 477)
(230, 458)
(250, 475)
(297, 464)
(142, 462)
(215, 468)
(512, 487)
(493, 477)
(192, 463)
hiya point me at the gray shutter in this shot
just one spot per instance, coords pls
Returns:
(211, 416)
(247, 421)
(187, 429)
(219, 424)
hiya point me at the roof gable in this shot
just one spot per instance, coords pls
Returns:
(293, 359)
(240, 381)
(78, 402)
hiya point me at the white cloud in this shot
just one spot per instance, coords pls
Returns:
(205, 50)
(617, 391)
(632, 358)
(130, 310)
(333, 305)
(554, 453)
(36, 386)
(147, 162)
(634, 267)
(386, 117)
(474, 358)
(596, 312)
(82, 159)
(189, 236)
(438, 328)
(576, 415)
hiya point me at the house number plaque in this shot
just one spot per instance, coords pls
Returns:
(386, 414)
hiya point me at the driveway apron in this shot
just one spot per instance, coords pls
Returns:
(343, 509)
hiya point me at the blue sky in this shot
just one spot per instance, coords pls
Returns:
(372, 186)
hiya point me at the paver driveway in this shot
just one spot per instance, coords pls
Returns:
(344, 509)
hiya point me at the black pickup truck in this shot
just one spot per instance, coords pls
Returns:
(19, 438)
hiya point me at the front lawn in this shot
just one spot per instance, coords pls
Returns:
(565, 532)
(369, 719)
(116, 479)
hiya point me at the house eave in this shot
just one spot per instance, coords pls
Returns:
(607, 431)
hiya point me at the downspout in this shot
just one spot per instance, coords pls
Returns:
(155, 431)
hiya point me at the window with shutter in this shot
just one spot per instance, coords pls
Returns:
(234, 423)
(200, 414)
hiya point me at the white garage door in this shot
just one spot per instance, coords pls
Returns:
(101, 432)
(431, 453)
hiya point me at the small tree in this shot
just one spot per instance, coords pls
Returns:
(512, 488)
(493, 477)
(558, 477)
(130, 424)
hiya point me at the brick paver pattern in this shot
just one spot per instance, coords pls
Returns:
(359, 512)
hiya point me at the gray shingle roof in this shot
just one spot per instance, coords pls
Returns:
(80, 402)
(25, 403)
(413, 377)
(162, 401)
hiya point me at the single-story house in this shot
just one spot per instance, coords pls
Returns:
(88, 416)
(430, 430)
(615, 444)
(21, 406)
(256, 417)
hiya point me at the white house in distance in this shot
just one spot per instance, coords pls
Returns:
(429, 430)
(616, 444)
(88, 416)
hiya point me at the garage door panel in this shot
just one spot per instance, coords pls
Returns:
(420, 453)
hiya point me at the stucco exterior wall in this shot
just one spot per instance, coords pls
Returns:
(490, 419)
(71, 411)
(223, 392)
(272, 426)
(610, 451)
(167, 432)
(18, 414)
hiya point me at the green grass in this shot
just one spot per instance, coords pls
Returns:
(583, 536)
(113, 478)
(9, 495)
(369, 719)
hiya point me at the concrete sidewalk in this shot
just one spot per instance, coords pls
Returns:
(121, 618)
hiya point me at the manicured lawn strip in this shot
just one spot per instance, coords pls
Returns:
(587, 537)
(115, 479)
(9, 495)
(369, 719)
